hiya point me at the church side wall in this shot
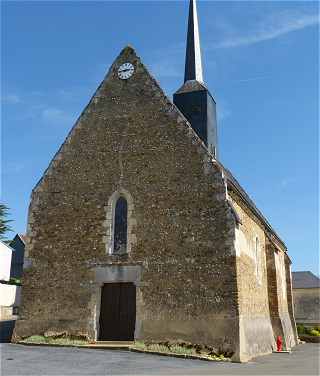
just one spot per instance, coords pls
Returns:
(182, 261)
(273, 290)
(293, 327)
(256, 335)
(285, 299)
(280, 295)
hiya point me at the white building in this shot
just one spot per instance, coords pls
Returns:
(9, 294)
(5, 261)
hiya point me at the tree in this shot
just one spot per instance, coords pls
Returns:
(4, 223)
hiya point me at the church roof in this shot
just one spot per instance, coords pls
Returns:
(233, 184)
(191, 85)
(305, 280)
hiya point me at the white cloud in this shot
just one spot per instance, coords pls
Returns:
(270, 28)
(35, 106)
(11, 99)
(56, 116)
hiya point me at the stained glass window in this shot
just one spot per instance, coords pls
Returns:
(120, 226)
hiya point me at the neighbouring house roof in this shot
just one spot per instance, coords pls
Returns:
(22, 237)
(305, 280)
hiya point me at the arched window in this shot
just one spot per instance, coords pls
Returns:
(257, 257)
(119, 223)
(120, 226)
(256, 246)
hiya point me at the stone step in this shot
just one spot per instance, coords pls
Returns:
(114, 344)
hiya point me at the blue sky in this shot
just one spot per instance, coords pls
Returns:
(260, 62)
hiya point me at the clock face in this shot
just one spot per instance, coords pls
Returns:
(125, 71)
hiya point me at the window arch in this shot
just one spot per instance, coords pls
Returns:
(256, 248)
(258, 259)
(120, 223)
(120, 226)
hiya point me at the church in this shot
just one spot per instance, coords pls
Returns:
(136, 231)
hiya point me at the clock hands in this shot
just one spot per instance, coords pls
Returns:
(125, 71)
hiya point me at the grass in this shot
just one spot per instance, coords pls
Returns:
(161, 347)
(67, 341)
(179, 349)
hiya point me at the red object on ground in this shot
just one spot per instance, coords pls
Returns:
(279, 343)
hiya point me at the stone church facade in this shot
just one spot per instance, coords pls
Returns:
(137, 231)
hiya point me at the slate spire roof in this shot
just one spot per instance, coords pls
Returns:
(193, 67)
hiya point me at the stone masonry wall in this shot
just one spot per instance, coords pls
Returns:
(280, 298)
(294, 334)
(130, 138)
(256, 335)
(273, 290)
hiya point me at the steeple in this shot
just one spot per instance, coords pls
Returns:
(193, 99)
(193, 67)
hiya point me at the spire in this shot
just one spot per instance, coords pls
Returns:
(193, 68)
(193, 98)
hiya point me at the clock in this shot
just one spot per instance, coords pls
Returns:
(125, 71)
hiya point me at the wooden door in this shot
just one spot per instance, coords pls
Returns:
(117, 312)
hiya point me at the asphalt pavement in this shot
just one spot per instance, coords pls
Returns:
(33, 360)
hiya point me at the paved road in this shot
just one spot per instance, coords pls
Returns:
(32, 360)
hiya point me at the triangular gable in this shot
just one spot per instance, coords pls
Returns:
(128, 53)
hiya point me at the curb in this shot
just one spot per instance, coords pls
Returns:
(310, 339)
(77, 346)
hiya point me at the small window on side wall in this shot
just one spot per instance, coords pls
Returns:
(258, 258)
(256, 251)
(120, 226)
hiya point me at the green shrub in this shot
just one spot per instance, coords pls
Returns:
(140, 345)
(15, 281)
(314, 332)
(307, 330)
(35, 339)
(301, 329)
